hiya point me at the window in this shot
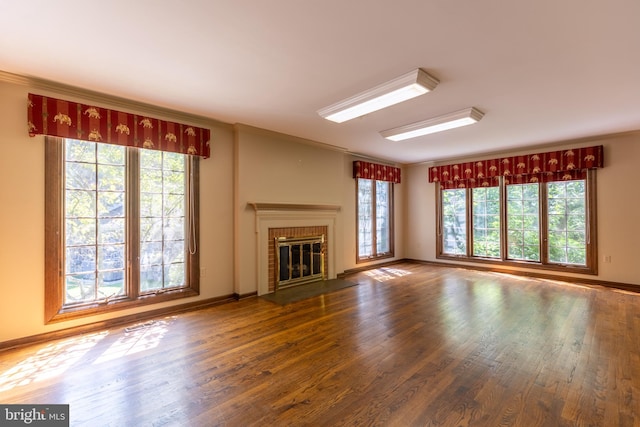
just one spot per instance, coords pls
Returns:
(375, 219)
(567, 222)
(454, 221)
(523, 222)
(121, 224)
(547, 225)
(486, 222)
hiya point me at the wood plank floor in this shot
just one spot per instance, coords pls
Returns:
(410, 345)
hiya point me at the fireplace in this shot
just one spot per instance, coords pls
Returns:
(297, 255)
(299, 260)
(280, 221)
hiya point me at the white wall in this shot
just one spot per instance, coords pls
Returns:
(618, 208)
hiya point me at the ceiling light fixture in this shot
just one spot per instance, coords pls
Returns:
(457, 119)
(407, 86)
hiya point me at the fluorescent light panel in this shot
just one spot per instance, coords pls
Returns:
(457, 119)
(407, 86)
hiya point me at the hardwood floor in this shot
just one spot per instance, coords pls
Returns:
(410, 345)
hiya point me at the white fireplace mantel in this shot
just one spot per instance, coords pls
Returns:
(259, 206)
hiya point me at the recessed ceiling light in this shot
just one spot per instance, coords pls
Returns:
(460, 118)
(407, 86)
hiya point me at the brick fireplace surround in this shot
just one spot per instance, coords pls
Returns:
(291, 220)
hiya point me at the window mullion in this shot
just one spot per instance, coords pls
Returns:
(590, 213)
(544, 223)
(469, 224)
(374, 222)
(133, 222)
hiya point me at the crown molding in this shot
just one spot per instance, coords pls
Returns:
(115, 102)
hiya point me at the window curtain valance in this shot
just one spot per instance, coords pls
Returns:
(367, 170)
(66, 119)
(540, 167)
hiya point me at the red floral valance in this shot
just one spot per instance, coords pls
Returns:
(367, 170)
(540, 167)
(66, 119)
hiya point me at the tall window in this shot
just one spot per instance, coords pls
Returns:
(122, 223)
(375, 219)
(486, 222)
(567, 222)
(94, 225)
(523, 222)
(454, 221)
(547, 225)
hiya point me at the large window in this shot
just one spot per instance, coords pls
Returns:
(120, 227)
(375, 219)
(547, 225)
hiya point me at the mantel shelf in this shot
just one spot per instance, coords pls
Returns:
(259, 206)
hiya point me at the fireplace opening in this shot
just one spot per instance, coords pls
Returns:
(299, 260)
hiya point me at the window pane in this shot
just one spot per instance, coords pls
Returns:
(80, 231)
(80, 288)
(567, 222)
(80, 176)
(486, 222)
(523, 236)
(111, 231)
(111, 178)
(173, 229)
(81, 259)
(150, 278)
(383, 244)
(111, 204)
(109, 154)
(80, 151)
(151, 253)
(163, 182)
(94, 224)
(454, 223)
(80, 204)
(174, 205)
(150, 180)
(365, 215)
(150, 205)
(174, 275)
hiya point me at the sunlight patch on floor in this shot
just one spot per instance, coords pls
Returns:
(51, 361)
(383, 274)
(135, 339)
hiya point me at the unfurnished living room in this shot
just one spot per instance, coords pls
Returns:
(339, 213)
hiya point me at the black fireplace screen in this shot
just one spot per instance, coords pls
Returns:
(299, 260)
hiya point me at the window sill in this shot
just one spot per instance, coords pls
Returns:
(77, 312)
(591, 270)
(374, 258)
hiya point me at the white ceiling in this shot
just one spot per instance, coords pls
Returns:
(542, 71)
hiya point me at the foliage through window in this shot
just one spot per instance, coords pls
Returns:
(486, 222)
(454, 221)
(375, 219)
(125, 222)
(549, 225)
